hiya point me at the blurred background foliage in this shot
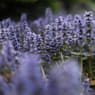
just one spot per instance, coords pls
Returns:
(36, 8)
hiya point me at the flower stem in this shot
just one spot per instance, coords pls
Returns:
(43, 72)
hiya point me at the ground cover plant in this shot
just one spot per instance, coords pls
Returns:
(40, 57)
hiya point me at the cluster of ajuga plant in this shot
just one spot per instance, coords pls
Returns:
(27, 79)
(24, 42)
(50, 36)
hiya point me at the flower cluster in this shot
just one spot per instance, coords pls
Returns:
(49, 37)
(72, 33)
(28, 78)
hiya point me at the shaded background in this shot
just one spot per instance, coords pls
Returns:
(36, 8)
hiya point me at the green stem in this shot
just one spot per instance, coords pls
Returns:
(43, 72)
(90, 68)
(62, 58)
(81, 61)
